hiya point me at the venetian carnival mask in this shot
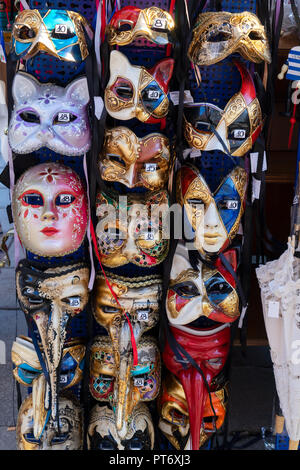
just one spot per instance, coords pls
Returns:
(50, 210)
(124, 385)
(132, 228)
(131, 23)
(60, 33)
(137, 92)
(47, 115)
(50, 298)
(237, 127)
(69, 436)
(103, 435)
(203, 292)
(135, 162)
(174, 415)
(219, 34)
(214, 217)
(209, 349)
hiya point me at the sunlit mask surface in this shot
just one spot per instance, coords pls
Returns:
(237, 127)
(203, 292)
(50, 210)
(69, 436)
(135, 162)
(219, 34)
(47, 115)
(214, 217)
(103, 435)
(131, 23)
(137, 92)
(59, 33)
(132, 229)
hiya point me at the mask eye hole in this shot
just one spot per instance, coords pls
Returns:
(125, 25)
(62, 31)
(106, 444)
(186, 290)
(32, 296)
(29, 437)
(135, 444)
(219, 35)
(108, 309)
(256, 36)
(74, 301)
(123, 88)
(64, 199)
(30, 117)
(24, 33)
(32, 199)
(117, 159)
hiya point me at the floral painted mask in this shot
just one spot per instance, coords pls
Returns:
(47, 115)
(50, 210)
(137, 92)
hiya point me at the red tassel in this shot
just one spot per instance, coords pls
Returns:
(293, 122)
(133, 343)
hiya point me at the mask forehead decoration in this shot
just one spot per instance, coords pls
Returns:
(210, 350)
(59, 33)
(69, 436)
(135, 162)
(174, 417)
(219, 34)
(238, 125)
(137, 92)
(203, 292)
(131, 23)
(214, 217)
(51, 298)
(132, 229)
(47, 115)
(103, 435)
(124, 385)
(50, 210)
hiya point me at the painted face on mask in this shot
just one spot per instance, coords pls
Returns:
(50, 210)
(47, 115)
(135, 162)
(219, 34)
(131, 23)
(59, 33)
(132, 228)
(214, 217)
(203, 292)
(137, 92)
(103, 435)
(51, 298)
(69, 436)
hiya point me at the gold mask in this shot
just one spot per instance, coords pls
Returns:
(219, 34)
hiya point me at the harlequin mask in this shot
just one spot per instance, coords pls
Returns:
(203, 292)
(135, 162)
(124, 385)
(136, 92)
(59, 33)
(103, 435)
(210, 350)
(133, 231)
(131, 23)
(238, 125)
(214, 217)
(51, 297)
(69, 436)
(219, 34)
(50, 210)
(47, 115)
(174, 416)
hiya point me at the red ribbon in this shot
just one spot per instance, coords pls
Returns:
(293, 122)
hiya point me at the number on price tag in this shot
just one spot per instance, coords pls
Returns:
(149, 236)
(143, 316)
(75, 302)
(233, 205)
(65, 198)
(160, 23)
(63, 117)
(63, 379)
(150, 167)
(153, 94)
(239, 134)
(139, 382)
(61, 28)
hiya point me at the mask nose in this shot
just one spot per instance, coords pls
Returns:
(50, 211)
(45, 134)
(211, 218)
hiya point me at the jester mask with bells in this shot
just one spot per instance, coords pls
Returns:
(69, 436)
(137, 92)
(132, 228)
(135, 162)
(103, 435)
(238, 125)
(50, 210)
(174, 415)
(124, 385)
(214, 217)
(28, 371)
(219, 34)
(209, 349)
(204, 292)
(47, 115)
(131, 23)
(60, 33)
(50, 298)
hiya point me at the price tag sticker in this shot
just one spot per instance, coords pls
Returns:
(75, 302)
(149, 236)
(160, 23)
(233, 205)
(65, 198)
(63, 117)
(153, 94)
(63, 379)
(139, 382)
(149, 167)
(239, 134)
(2, 55)
(273, 310)
(143, 316)
(61, 28)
